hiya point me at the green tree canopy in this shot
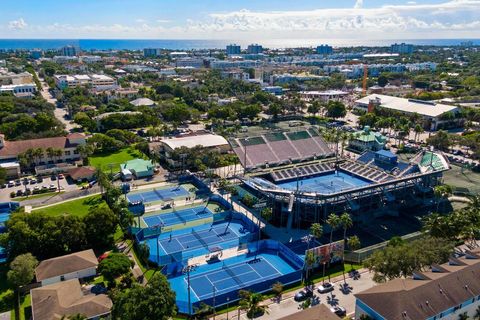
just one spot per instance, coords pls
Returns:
(22, 270)
(154, 301)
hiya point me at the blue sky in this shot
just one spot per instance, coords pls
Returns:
(245, 19)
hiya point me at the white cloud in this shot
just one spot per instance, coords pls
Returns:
(358, 4)
(449, 19)
(17, 24)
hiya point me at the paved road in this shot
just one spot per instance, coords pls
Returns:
(288, 305)
(59, 112)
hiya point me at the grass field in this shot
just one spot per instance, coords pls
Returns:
(78, 207)
(114, 160)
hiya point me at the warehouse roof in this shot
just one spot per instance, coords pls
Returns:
(426, 108)
(205, 140)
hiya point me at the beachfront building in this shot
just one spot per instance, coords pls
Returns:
(402, 48)
(254, 49)
(324, 49)
(233, 49)
(435, 115)
(443, 292)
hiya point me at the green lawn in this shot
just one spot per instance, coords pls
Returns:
(78, 207)
(113, 160)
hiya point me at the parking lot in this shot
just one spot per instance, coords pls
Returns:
(34, 185)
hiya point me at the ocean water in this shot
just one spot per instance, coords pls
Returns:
(122, 44)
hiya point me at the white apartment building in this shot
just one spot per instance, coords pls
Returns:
(97, 81)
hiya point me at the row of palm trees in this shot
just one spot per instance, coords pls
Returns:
(334, 221)
(34, 155)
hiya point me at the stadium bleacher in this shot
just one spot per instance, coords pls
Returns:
(277, 148)
(303, 171)
(366, 171)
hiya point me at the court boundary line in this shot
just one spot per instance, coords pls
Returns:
(191, 288)
(274, 267)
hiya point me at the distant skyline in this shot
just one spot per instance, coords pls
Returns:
(246, 20)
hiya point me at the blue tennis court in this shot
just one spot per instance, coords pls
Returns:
(233, 277)
(158, 194)
(216, 235)
(177, 217)
(326, 183)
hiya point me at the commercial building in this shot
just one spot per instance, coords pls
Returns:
(11, 150)
(435, 115)
(151, 52)
(238, 74)
(69, 51)
(165, 147)
(275, 90)
(78, 265)
(233, 49)
(20, 90)
(254, 49)
(97, 81)
(233, 64)
(139, 168)
(189, 62)
(323, 95)
(7, 78)
(442, 292)
(402, 48)
(367, 139)
(324, 49)
(67, 298)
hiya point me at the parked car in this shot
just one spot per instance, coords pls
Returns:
(98, 289)
(325, 287)
(52, 187)
(39, 179)
(339, 311)
(3, 186)
(19, 193)
(61, 176)
(53, 177)
(33, 181)
(303, 295)
(11, 184)
(18, 182)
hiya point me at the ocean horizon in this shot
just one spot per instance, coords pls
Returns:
(139, 44)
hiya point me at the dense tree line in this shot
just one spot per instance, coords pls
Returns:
(27, 118)
(46, 236)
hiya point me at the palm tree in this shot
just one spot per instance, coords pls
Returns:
(334, 222)
(477, 314)
(50, 153)
(418, 129)
(441, 192)
(309, 262)
(346, 222)
(250, 302)
(58, 153)
(37, 154)
(316, 230)
(353, 244)
(463, 316)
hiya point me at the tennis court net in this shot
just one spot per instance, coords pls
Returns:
(232, 274)
(199, 238)
(159, 195)
(179, 216)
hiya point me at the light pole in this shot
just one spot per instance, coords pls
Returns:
(228, 300)
(187, 269)
(245, 158)
(214, 310)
